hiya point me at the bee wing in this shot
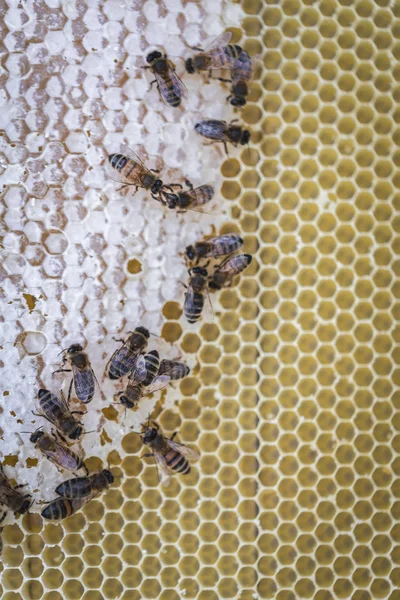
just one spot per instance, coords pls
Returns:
(218, 42)
(160, 382)
(132, 155)
(179, 87)
(82, 486)
(164, 474)
(62, 405)
(187, 452)
(139, 373)
(61, 457)
(122, 362)
(135, 176)
(84, 380)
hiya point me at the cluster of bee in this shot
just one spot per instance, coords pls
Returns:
(127, 167)
(201, 282)
(144, 371)
(146, 374)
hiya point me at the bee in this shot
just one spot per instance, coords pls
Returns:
(143, 380)
(174, 368)
(191, 199)
(83, 375)
(218, 246)
(75, 493)
(170, 86)
(241, 75)
(217, 55)
(195, 295)
(171, 457)
(128, 169)
(228, 269)
(56, 453)
(221, 131)
(12, 498)
(57, 412)
(124, 359)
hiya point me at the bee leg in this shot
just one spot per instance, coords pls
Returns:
(174, 435)
(224, 80)
(77, 412)
(61, 371)
(151, 84)
(86, 469)
(234, 120)
(21, 485)
(189, 184)
(156, 170)
(3, 516)
(147, 455)
(119, 340)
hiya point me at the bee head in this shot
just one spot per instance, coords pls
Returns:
(36, 435)
(145, 332)
(200, 271)
(153, 56)
(190, 252)
(25, 507)
(74, 349)
(171, 200)
(149, 435)
(213, 286)
(189, 65)
(108, 475)
(156, 187)
(245, 137)
(125, 401)
(75, 435)
(238, 101)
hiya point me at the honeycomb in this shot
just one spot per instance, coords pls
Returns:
(294, 400)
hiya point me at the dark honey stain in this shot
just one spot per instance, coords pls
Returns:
(105, 438)
(12, 413)
(10, 460)
(6, 393)
(134, 266)
(110, 413)
(31, 462)
(30, 301)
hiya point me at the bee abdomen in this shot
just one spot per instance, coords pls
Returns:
(58, 509)
(117, 161)
(204, 194)
(176, 462)
(193, 311)
(152, 362)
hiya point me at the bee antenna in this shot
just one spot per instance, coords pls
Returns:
(65, 349)
(155, 335)
(93, 431)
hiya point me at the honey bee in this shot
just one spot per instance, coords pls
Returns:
(171, 457)
(170, 86)
(217, 55)
(128, 169)
(221, 131)
(83, 375)
(143, 380)
(18, 503)
(218, 246)
(241, 75)
(191, 199)
(75, 493)
(57, 412)
(124, 360)
(174, 368)
(226, 271)
(58, 454)
(195, 295)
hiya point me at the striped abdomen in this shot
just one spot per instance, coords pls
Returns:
(226, 244)
(175, 461)
(166, 87)
(59, 509)
(152, 362)
(225, 56)
(202, 195)
(194, 302)
(128, 168)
